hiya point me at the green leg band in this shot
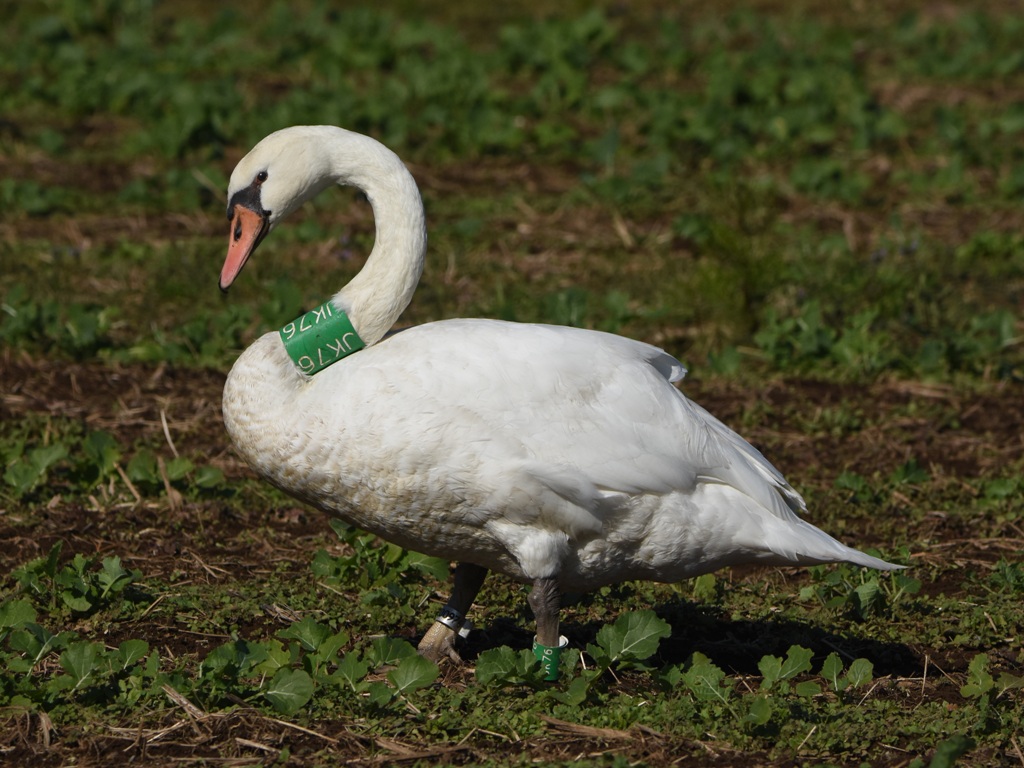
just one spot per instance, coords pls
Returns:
(549, 657)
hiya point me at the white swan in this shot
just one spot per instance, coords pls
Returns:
(561, 457)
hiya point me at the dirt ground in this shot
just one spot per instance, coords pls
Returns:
(955, 436)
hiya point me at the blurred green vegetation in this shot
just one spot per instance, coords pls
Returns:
(831, 193)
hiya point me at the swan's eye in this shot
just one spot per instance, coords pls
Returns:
(261, 177)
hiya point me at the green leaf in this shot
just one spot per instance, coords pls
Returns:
(102, 451)
(351, 670)
(979, 681)
(947, 752)
(869, 597)
(277, 657)
(634, 636)
(289, 690)
(142, 468)
(130, 651)
(831, 669)
(433, 566)
(113, 577)
(76, 603)
(413, 672)
(389, 650)
(771, 670)
(331, 645)
(208, 477)
(578, 689)
(234, 658)
(1007, 682)
(798, 661)
(759, 712)
(380, 694)
(79, 660)
(309, 632)
(178, 468)
(496, 665)
(807, 688)
(861, 672)
(25, 473)
(705, 680)
(15, 613)
(705, 587)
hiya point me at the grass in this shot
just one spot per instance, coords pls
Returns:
(816, 208)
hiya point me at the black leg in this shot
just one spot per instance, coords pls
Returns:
(439, 641)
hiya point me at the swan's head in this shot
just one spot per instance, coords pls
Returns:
(279, 174)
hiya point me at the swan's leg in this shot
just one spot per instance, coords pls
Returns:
(545, 600)
(439, 641)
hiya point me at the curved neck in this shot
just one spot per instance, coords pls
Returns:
(383, 288)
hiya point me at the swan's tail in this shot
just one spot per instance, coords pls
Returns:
(809, 545)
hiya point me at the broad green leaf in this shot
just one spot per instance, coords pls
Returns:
(25, 473)
(947, 753)
(380, 694)
(351, 669)
(289, 690)
(79, 660)
(130, 651)
(142, 468)
(705, 680)
(979, 681)
(433, 566)
(634, 636)
(1008, 682)
(576, 692)
(798, 661)
(235, 658)
(413, 672)
(208, 477)
(15, 613)
(495, 665)
(771, 669)
(759, 712)
(76, 603)
(22, 476)
(277, 657)
(113, 577)
(671, 676)
(327, 567)
(36, 642)
(831, 669)
(388, 650)
(705, 587)
(330, 646)
(906, 585)
(309, 632)
(46, 456)
(807, 688)
(391, 553)
(102, 451)
(178, 467)
(861, 672)
(869, 597)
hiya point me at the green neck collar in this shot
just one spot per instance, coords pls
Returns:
(320, 338)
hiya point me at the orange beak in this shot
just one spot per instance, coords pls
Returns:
(248, 228)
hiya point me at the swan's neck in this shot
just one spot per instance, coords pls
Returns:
(376, 296)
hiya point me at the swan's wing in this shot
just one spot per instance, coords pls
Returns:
(584, 412)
